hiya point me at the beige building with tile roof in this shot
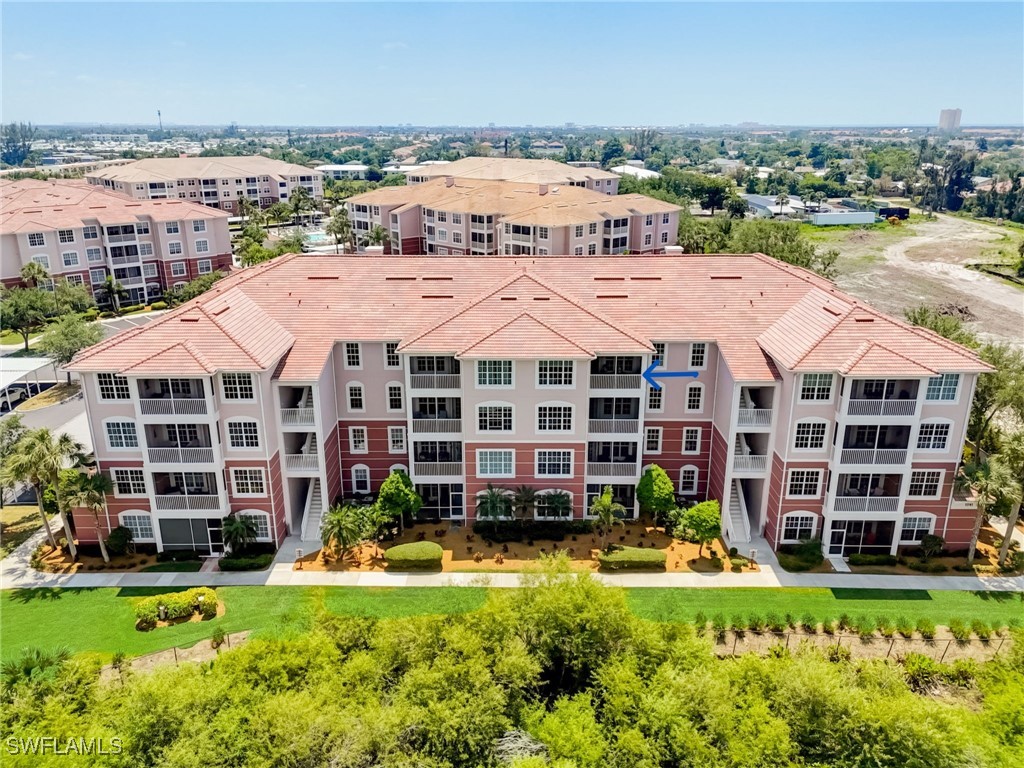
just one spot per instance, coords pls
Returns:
(217, 182)
(522, 171)
(83, 234)
(806, 413)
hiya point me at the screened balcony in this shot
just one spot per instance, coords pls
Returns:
(883, 397)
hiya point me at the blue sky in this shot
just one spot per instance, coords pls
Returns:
(848, 63)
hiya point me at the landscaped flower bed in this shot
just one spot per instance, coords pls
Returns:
(191, 604)
(418, 555)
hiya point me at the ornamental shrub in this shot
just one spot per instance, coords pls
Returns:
(158, 305)
(860, 558)
(118, 540)
(179, 605)
(253, 563)
(927, 566)
(417, 555)
(632, 559)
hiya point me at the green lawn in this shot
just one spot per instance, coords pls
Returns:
(102, 621)
(17, 523)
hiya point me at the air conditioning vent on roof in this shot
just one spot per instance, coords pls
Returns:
(608, 279)
(726, 277)
(864, 319)
(220, 311)
(542, 298)
(438, 296)
(323, 277)
(832, 311)
(612, 296)
(642, 277)
(400, 278)
(438, 278)
(508, 298)
(189, 319)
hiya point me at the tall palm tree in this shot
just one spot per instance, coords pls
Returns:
(780, 200)
(607, 511)
(90, 491)
(339, 227)
(524, 501)
(299, 200)
(114, 291)
(341, 528)
(250, 211)
(991, 480)
(1013, 454)
(19, 468)
(494, 503)
(33, 273)
(377, 236)
(238, 531)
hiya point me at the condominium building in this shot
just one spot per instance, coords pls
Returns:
(534, 172)
(83, 234)
(459, 216)
(306, 379)
(949, 120)
(218, 182)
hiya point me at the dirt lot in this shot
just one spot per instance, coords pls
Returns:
(925, 262)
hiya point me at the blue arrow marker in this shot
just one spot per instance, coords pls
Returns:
(650, 375)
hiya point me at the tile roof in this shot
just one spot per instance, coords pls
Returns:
(28, 205)
(515, 169)
(171, 168)
(288, 313)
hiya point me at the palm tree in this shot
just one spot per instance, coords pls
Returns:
(239, 532)
(341, 528)
(299, 201)
(377, 236)
(33, 273)
(991, 480)
(38, 460)
(339, 227)
(1013, 454)
(277, 213)
(114, 292)
(780, 200)
(90, 491)
(33, 665)
(558, 504)
(250, 212)
(494, 503)
(607, 511)
(524, 501)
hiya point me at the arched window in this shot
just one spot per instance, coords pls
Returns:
(261, 520)
(139, 523)
(798, 526)
(933, 435)
(916, 525)
(546, 511)
(809, 434)
(505, 514)
(398, 468)
(356, 397)
(688, 477)
(360, 478)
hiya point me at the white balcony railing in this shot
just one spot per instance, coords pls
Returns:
(750, 463)
(615, 381)
(882, 407)
(873, 456)
(300, 416)
(120, 261)
(437, 425)
(755, 417)
(611, 469)
(120, 238)
(181, 455)
(437, 468)
(616, 426)
(435, 380)
(866, 503)
(302, 462)
(186, 501)
(162, 406)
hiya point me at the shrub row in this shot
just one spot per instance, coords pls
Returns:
(802, 556)
(517, 530)
(252, 563)
(419, 554)
(179, 605)
(158, 305)
(860, 558)
(632, 559)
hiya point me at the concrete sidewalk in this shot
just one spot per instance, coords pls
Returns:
(17, 573)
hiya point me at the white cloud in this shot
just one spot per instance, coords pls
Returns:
(21, 56)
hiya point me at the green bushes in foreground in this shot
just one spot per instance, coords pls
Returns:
(633, 559)
(564, 665)
(178, 605)
(417, 555)
(249, 563)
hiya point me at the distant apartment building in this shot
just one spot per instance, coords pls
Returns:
(534, 172)
(454, 216)
(83, 234)
(949, 120)
(305, 380)
(217, 182)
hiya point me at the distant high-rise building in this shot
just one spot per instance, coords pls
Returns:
(949, 120)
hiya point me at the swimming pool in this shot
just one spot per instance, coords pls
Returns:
(316, 237)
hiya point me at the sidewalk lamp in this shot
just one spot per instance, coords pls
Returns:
(162, 611)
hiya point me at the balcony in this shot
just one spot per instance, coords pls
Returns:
(615, 381)
(754, 417)
(613, 426)
(435, 381)
(180, 455)
(177, 406)
(866, 503)
(187, 501)
(437, 468)
(750, 463)
(121, 238)
(302, 462)
(120, 261)
(882, 407)
(612, 469)
(881, 456)
(883, 397)
(437, 426)
(297, 417)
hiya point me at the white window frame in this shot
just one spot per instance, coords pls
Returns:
(403, 448)
(938, 487)
(116, 383)
(198, 225)
(481, 370)
(401, 397)
(94, 255)
(239, 384)
(178, 269)
(392, 352)
(689, 387)
(817, 485)
(658, 433)
(683, 490)
(356, 469)
(201, 246)
(931, 518)
(567, 370)
(64, 259)
(172, 228)
(947, 423)
(801, 514)
(805, 383)
(355, 388)
(145, 249)
(536, 462)
(36, 240)
(132, 495)
(556, 404)
(940, 382)
(107, 423)
(352, 442)
(234, 483)
(702, 348)
(809, 422)
(259, 520)
(242, 420)
(149, 269)
(660, 353)
(43, 260)
(175, 248)
(546, 492)
(349, 350)
(655, 400)
(122, 519)
(65, 236)
(511, 462)
(496, 404)
(700, 435)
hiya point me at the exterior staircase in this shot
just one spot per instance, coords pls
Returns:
(313, 513)
(739, 526)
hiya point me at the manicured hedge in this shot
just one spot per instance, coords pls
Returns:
(250, 563)
(180, 605)
(859, 558)
(800, 557)
(419, 554)
(632, 559)
(158, 305)
(519, 530)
